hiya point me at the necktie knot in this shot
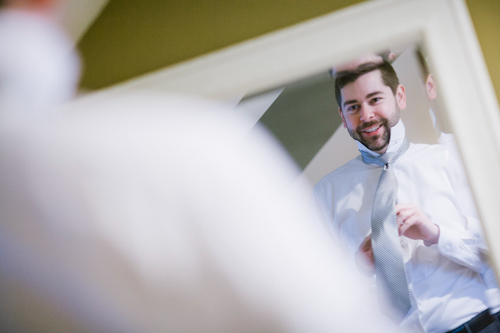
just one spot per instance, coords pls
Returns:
(385, 159)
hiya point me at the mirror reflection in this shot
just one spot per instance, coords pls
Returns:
(389, 185)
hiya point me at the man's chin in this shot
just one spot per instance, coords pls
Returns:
(375, 146)
(377, 143)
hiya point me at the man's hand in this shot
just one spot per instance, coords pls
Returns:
(364, 257)
(414, 224)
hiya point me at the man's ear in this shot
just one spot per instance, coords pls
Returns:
(342, 116)
(401, 97)
(430, 87)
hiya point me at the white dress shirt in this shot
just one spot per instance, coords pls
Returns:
(142, 214)
(444, 278)
(467, 200)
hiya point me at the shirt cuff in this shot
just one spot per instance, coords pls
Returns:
(461, 247)
(446, 243)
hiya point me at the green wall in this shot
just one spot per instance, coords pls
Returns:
(134, 37)
(486, 17)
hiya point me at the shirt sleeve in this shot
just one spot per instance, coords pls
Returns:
(463, 246)
(320, 221)
(461, 242)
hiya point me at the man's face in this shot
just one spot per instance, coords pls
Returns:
(369, 110)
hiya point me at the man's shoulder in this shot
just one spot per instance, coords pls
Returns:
(353, 166)
(422, 151)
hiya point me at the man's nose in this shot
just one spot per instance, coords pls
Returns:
(367, 112)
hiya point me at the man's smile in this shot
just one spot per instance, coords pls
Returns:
(372, 130)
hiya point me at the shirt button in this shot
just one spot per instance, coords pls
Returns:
(447, 248)
(476, 239)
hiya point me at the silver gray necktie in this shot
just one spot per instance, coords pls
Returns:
(390, 270)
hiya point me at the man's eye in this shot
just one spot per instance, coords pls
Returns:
(376, 99)
(352, 108)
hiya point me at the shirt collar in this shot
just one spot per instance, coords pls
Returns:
(398, 133)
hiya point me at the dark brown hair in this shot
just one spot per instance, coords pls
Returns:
(389, 77)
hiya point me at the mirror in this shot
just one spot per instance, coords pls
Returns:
(433, 190)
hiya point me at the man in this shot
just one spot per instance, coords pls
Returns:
(441, 261)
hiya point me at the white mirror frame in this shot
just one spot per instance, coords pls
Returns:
(443, 27)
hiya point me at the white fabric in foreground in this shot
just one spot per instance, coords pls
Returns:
(146, 214)
(39, 67)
